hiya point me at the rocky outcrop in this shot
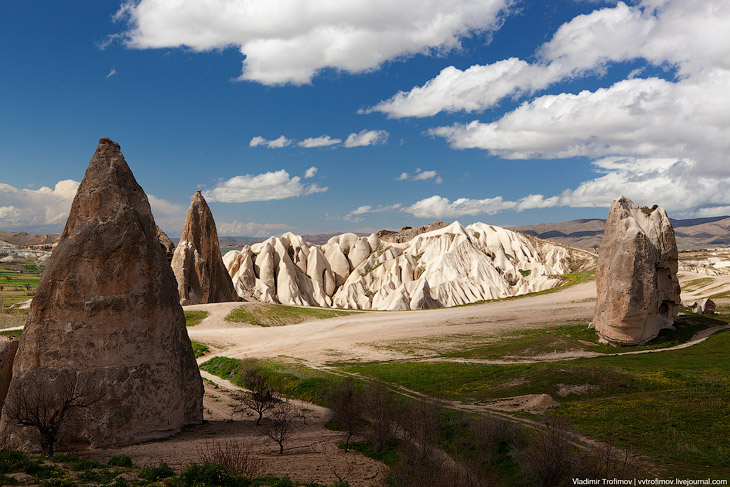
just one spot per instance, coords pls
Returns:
(447, 266)
(704, 306)
(107, 312)
(636, 276)
(7, 355)
(201, 275)
(167, 246)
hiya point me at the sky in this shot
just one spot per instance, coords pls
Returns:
(319, 116)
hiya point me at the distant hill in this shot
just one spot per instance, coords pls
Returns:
(693, 233)
(24, 239)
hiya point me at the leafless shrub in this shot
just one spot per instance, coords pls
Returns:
(421, 422)
(347, 409)
(236, 456)
(380, 413)
(280, 425)
(547, 458)
(413, 469)
(44, 398)
(609, 461)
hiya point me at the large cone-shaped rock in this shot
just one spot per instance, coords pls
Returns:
(636, 277)
(198, 265)
(107, 310)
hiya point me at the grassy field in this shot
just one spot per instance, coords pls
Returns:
(193, 318)
(279, 315)
(18, 282)
(671, 406)
(199, 349)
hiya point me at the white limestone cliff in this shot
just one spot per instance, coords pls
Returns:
(450, 266)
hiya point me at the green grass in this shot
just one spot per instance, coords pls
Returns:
(673, 406)
(279, 315)
(388, 457)
(291, 380)
(14, 277)
(193, 318)
(199, 349)
(567, 338)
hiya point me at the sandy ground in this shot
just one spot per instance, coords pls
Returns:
(310, 455)
(364, 336)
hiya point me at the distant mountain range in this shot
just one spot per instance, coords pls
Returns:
(693, 233)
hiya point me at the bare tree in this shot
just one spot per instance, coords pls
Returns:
(261, 398)
(421, 422)
(281, 423)
(380, 413)
(547, 459)
(44, 398)
(347, 409)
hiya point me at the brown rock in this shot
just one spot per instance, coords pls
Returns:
(198, 265)
(704, 306)
(107, 311)
(167, 246)
(636, 276)
(7, 355)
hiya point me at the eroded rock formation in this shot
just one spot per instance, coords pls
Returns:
(107, 312)
(7, 355)
(636, 276)
(167, 246)
(447, 266)
(201, 275)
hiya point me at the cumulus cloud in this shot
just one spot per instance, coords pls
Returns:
(358, 213)
(277, 143)
(638, 117)
(367, 137)
(291, 41)
(310, 173)
(251, 229)
(689, 35)
(420, 175)
(268, 186)
(672, 183)
(29, 208)
(322, 141)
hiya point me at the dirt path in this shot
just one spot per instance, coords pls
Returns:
(364, 336)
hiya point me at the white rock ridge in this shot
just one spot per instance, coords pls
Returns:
(451, 266)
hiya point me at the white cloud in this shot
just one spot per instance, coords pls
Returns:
(420, 175)
(366, 137)
(311, 172)
(251, 229)
(322, 141)
(261, 187)
(277, 143)
(112, 72)
(356, 215)
(638, 118)
(290, 41)
(671, 183)
(691, 35)
(28, 208)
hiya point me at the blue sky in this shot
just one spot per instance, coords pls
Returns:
(322, 115)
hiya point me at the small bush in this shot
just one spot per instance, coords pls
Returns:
(213, 475)
(12, 461)
(162, 471)
(120, 461)
(236, 456)
(84, 465)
